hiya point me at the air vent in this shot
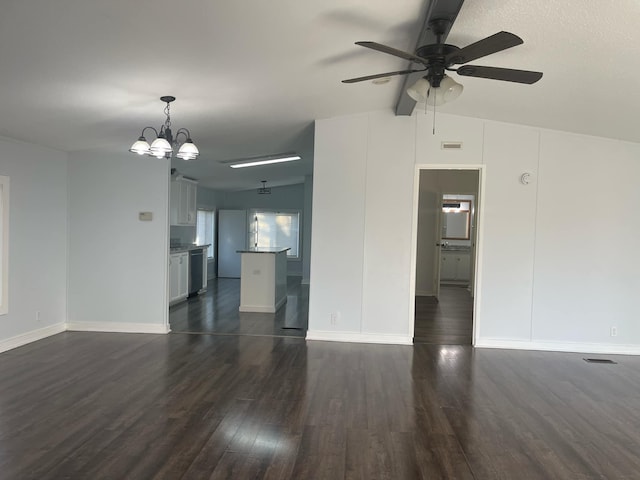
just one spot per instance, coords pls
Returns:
(599, 360)
(451, 145)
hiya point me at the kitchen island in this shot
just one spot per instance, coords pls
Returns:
(263, 279)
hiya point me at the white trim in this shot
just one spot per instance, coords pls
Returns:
(118, 327)
(600, 348)
(165, 248)
(424, 293)
(4, 253)
(257, 309)
(481, 169)
(32, 336)
(355, 337)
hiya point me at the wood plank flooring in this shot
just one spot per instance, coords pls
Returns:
(216, 312)
(446, 321)
(134, 406)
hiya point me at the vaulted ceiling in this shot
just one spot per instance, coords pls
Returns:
(251, 76)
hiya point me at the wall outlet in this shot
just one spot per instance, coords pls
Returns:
(333, 318)
(614, 331)
(37, 315)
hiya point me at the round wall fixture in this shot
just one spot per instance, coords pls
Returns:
(525, 178)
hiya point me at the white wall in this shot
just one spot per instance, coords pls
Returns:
(118, 264)
(337, 238)
(586, 276)
(37, 243)
(551, 277)
(209, 198)
(306, 229)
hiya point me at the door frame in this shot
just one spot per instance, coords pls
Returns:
(477, 264)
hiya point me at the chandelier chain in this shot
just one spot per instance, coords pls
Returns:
(167, 112)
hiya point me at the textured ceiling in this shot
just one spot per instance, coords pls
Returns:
(251, 76)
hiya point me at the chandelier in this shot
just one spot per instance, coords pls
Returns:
(165, 142)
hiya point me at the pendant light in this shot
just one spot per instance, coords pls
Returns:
(165, 142)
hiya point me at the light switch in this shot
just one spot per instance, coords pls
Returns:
(145, 216)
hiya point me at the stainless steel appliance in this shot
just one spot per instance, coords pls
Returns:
(196, 259)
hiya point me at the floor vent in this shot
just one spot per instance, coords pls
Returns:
(599, 360)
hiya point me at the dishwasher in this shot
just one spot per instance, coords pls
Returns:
(196, 258)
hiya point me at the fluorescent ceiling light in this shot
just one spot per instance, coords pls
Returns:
(266, 161)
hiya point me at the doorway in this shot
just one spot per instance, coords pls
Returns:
(446, 239)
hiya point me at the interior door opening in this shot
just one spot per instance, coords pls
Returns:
(446, 241)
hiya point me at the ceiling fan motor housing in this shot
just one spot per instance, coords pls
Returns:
(435, 57)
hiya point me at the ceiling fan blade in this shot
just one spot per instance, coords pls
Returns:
(380, 75)
(495, 43)
(496, 73)
(392, 51)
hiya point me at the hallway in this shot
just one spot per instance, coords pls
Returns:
(446, 321)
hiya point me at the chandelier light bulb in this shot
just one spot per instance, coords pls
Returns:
(160, 147)
(188, 150)
(141, 146)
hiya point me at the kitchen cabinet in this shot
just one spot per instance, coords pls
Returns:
(455, 267)
(178, 276)
(183, 201)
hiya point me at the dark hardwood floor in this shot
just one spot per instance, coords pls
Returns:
(446, 321)
(134, 406)
(216, 312)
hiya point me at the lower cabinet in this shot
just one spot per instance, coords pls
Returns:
(178, 276)
(455, 267)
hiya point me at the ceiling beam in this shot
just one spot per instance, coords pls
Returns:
(445, 9)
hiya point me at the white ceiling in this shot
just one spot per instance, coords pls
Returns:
(250, 76)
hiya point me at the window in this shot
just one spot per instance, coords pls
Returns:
(276, 229)
(206, 229)
(4, 244)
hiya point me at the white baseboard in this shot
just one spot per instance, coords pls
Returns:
(117, 327)
(422, 293)
(32, 336)
(355, 337)
(600, 348)
(263, 308)
(257, 309)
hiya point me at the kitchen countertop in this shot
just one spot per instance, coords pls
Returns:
(264, 250)
(187, 248)
(456, 248)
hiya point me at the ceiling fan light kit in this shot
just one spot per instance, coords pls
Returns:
(423, 92)
(165, 142)
(438, 58)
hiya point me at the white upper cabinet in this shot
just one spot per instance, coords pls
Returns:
(182, 210)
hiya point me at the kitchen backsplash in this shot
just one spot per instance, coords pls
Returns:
(182, 235)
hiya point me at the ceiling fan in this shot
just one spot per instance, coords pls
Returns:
(438, 58)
